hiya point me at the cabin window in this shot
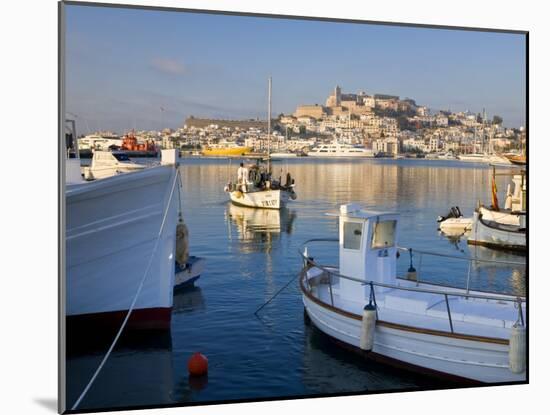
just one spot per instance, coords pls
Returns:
(121, 156)
(384, 234)
(352, 235)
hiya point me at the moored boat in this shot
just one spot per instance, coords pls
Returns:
(256, 186)
(497, 235)
(518, 159)
(337, 149)
(459, 334)
(225, 149)
(120, 241)
(109, 163)
(474, 158)
(454, 223)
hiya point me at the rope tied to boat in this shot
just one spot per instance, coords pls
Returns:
(132, 305)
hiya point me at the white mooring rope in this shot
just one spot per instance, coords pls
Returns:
(88, 386)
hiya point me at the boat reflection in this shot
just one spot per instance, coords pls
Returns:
(257, 229)
(329, 368)
(188, 299)
(501, 264)
(122, 382)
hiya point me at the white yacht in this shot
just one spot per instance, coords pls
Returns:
(336, 149)
(99, 142)
(474, 158)
(443, 331)
(109, 163)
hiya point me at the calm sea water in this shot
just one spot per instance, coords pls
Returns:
(251, 254)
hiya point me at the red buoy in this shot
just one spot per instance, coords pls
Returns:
(197, 365)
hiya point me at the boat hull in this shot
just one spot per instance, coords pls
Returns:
(266, 199)
(473, 158)
(456, 225)
(504, 217)
(498, 237)
(341, 155)
(474, 360)
(111, 230)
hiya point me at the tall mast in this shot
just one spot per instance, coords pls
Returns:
(269, 126)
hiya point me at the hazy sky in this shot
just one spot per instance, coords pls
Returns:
(124, 64)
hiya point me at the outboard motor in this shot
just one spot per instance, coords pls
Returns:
(453, 213)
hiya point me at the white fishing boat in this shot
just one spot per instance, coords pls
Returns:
(120, 240)
(337, 149)
(258, 188)
(109, 163)
(497, 235)
(515, 204)
(460, 334)
(514, 212)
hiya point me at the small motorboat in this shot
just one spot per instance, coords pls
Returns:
(454, 222)
(190, 272)
(448, 332)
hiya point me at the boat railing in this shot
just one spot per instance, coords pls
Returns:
(330, 271)
(471, 261)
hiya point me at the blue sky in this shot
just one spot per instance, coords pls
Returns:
(124, 64)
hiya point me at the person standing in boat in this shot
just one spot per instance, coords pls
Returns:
(242, 176)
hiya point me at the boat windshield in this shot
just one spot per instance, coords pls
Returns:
(121, 156)
(352, 235)
(384, 234)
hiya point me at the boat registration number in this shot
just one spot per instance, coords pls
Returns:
(267, 203)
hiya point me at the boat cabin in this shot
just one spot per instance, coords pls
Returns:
(368, 249)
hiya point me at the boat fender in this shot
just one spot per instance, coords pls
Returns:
(293, 196)
(517, 349)
(238, 194)
(182, 243)
(368, 324)
(508, 201)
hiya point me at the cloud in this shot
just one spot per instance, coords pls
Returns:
(168, 66)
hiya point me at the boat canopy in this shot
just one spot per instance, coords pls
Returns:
(368, 248)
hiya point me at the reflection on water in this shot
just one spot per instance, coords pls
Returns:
(258, 228)
(332, 369)
(252, 253)
(188, 299)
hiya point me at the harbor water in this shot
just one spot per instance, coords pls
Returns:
(251, 254)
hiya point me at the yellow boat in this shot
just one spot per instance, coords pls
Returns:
(226, 151)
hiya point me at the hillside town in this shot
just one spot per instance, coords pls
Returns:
(386, 124)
